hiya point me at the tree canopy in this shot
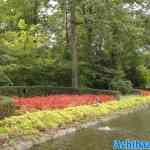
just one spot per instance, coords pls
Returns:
(75, 42)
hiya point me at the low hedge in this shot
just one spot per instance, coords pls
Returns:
(31, 123)
(137, 92)
(28, 91)
(25, 91)
(99, 91)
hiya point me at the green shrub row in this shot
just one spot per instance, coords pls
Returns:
(27, 91)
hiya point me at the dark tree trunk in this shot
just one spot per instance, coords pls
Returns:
(73, 42)
(67, 23)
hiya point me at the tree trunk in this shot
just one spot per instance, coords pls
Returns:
(73, 42)
(67, 23)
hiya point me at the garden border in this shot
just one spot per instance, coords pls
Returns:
(26, 142)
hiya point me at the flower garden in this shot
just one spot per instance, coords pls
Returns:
(28, 118)
(31, 123)
(61, 101)
(54, 111)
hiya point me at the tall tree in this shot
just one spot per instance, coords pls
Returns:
(73, 44)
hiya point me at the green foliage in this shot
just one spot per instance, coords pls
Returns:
(99, 91)
(22, 25)
(125, 86)
(4, 79)
(7, 107)
(113, 42)
(143, 76)
(28, 91)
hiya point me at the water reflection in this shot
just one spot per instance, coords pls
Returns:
(133, 126)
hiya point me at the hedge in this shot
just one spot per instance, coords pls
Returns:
(28, 91)
(137, 92)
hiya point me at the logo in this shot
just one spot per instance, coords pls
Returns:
(130, 145)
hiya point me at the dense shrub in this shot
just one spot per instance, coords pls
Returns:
(28, 91)
(7, 107)
(124, 86)
(98, 91)
(38, 74)
(139, 76)
(143, 76)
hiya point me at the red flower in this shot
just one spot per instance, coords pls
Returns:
(61, 101)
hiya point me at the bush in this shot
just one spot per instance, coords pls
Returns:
(28, 91)
(143, 76)
(7, 107)
(124, 86)
(98, 91)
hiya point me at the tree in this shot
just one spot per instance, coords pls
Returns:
(73, 42)
(110, 38)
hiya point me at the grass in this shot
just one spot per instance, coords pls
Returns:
(33, 123)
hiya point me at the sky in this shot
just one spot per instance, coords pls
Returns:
(134, 7)
(137, 7)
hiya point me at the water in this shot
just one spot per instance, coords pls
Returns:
(133, 126)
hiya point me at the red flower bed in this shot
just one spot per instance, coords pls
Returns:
(61, 101)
